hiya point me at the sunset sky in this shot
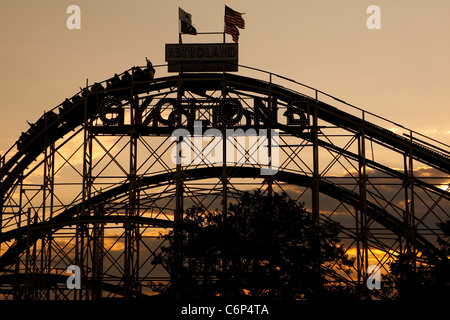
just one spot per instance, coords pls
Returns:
(400, 72)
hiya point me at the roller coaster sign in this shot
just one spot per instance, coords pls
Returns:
(207, 57)
(227, 112)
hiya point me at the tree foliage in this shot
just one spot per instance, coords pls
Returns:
(263, 247)
(416, 280)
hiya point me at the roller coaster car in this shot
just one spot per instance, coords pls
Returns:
(97, 87)
(126, 77)
(51, 117)
(23, 137)
(45, 121)
(84, 92)
(76, 99)
(117, 83)
(65, 106)
(148, 73)
(137, 73)
(113, 82)
(151, 71)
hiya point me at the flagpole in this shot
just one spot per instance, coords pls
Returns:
(179, 32)
(224, 25)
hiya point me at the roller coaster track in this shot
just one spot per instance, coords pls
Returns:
(73, 113)
(53, 126)
(67, 218)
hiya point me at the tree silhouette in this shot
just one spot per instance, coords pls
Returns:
(414, 280)
(262, 247)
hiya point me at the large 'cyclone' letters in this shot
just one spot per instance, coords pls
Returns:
(230, 112)
(112, 106)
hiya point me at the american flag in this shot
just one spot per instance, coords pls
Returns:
(233, 21)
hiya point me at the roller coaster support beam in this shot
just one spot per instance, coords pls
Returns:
(361, 212)
(315, 199)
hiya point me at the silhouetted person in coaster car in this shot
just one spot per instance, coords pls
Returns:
(137, 73)
(97, 87)
(40, 122)
(84, 92)
(113, 82)
(66, 104)
(24, 136)
(126, 76)
(51, 117)
(76, 99)
(150, 69)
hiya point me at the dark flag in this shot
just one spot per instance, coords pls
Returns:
(233, 21)
(186, 22)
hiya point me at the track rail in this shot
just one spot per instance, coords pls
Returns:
(53, 126)
(67, 217)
